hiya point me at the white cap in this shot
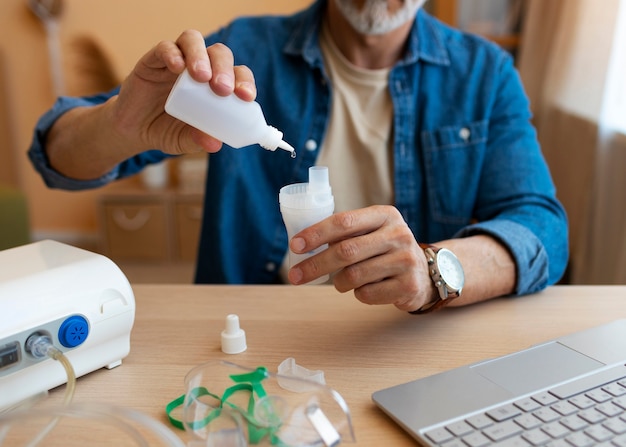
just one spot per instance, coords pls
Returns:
(233, 337)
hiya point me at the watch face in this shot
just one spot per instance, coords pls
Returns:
(450, 269)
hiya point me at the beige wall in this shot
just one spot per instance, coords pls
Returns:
(124, 30)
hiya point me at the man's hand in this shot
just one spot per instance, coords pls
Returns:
(135, 120)
(139, 113)
(373, 252)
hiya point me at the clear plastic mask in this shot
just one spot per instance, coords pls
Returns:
(230, 405)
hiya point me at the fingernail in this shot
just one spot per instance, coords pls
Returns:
(202, 66)
(226, 81)
(247, 86)
(295, 275)
(298, 244)
(178, 61)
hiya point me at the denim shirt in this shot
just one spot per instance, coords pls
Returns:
(466, 158)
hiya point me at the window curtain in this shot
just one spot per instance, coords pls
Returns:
(572, 61)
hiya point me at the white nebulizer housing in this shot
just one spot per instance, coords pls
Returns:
(80, 301)
(304, 204)
(230, 119)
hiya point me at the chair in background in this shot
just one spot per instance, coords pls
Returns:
(14, 222)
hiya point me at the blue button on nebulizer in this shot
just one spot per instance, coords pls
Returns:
(73, 331)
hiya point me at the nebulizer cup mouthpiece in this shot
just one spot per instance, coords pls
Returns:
(304, 204)
(319, 184)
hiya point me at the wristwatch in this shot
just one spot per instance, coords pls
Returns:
(447, 274)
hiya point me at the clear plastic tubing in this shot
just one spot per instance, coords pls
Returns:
(304, 204)
(230, 119)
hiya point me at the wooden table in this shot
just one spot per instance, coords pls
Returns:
(360, 348)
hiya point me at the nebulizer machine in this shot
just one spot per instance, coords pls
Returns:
(64, 312)
(62, 303)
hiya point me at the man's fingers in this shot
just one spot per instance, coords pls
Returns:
(245, 87)
(222, 60)
(192, 46)
(344, 225)
(214, 64)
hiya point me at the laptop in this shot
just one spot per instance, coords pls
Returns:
(570, 391)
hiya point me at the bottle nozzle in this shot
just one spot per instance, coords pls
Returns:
(286, 146)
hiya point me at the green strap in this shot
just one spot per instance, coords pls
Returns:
(249, 382)
(196, 392)
(254, 378)
(171, 407)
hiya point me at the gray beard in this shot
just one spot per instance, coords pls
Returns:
(373, 18)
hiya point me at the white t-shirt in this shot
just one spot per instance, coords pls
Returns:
(358, 147)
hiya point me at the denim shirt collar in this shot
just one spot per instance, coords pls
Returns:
(425, 40)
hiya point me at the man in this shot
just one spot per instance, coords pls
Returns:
(425, 131)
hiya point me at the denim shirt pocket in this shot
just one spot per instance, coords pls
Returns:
(453, 158)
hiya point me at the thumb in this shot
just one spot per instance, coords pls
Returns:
(199, 141)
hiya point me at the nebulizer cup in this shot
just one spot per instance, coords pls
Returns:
(304, 204)
(231, 405)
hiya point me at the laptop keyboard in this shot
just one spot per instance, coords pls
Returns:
(578, 414)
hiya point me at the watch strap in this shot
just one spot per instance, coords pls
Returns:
(439, 302)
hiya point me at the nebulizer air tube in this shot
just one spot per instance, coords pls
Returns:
(104, 424)
(40, 346)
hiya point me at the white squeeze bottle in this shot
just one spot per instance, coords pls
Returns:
(230, 119)
(304, 204)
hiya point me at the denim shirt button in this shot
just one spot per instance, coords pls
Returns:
(310, 145)
(464, 134)
(270, 267)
